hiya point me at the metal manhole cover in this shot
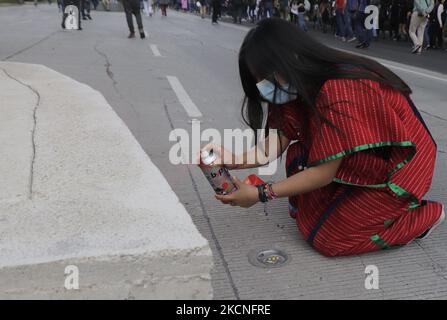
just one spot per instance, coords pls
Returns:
(269, 258)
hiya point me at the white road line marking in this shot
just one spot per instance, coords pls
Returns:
(155, 51)
(388, 63)
(189, 106)
(402, 67)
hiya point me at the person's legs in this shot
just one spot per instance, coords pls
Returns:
(215, 12)
(415, 23)
(440, 37)
(358, 27)
(146, 7)
(291, 17)
(425, 36)
(348, 25)
(339, 18)
(80, 5)
(432, 34)
(268, 10)
(240, 13)
(129, 19)
(382, 224)
(64, 15)
(303, 22)
(137, 13)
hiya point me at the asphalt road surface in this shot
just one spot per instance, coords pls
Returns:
(187, 69)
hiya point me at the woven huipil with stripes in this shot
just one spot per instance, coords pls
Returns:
(388, 158)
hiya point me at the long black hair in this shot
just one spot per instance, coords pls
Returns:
(275, 46)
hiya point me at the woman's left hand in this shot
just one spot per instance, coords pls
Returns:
(245, 196)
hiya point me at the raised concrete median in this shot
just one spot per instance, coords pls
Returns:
(77, 189)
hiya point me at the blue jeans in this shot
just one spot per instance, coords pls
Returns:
(348, 24)
(426, 37)
(302, 21)
(268, 7)
(340, 21)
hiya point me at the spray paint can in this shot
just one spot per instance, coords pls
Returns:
(217, 175)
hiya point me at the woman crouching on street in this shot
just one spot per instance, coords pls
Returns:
(360, 157)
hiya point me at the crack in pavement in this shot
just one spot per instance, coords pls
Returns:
(207, 218)
(433, 115)
(434, 264)
(30, 46)
(108, 66)
(33, 131)
(110, 74)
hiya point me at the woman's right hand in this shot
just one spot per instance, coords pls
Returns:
(224, 156)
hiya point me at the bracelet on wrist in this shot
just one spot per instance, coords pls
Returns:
(261, 193)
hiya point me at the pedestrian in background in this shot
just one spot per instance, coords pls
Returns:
(349, 33)
(418, 22)
(363, 34)
(325, 12)
(340, 6)
(185, 5)
(132, 8)
(164, 4)
(437, 21)
(268, 8)
(302, 17)
(236, 10)
(294, 11)
(148, 10)
(284, 8)
(202, 4)
(252, 10)
(260, 9)
(395, 8)
(86, 10)
(216, 6)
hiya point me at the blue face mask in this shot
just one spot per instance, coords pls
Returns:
(267, 91)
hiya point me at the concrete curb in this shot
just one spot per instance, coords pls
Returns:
(79, 190)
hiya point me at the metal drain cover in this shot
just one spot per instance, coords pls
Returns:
(268, 258)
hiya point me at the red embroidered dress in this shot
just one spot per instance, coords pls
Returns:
(375, 200)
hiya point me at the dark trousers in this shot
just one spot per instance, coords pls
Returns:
(237, 13)
(132, 7)
(86, 8)
(340, 22)
(251, 12)
(163, 8)
(436, 38)
(216, 11)
(362, 34)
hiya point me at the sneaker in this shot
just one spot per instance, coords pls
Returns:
(131, 35)
(343, 39)
(352, 39)
(430, 230)
(362, 45)
(416, 49)
(142, 35)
